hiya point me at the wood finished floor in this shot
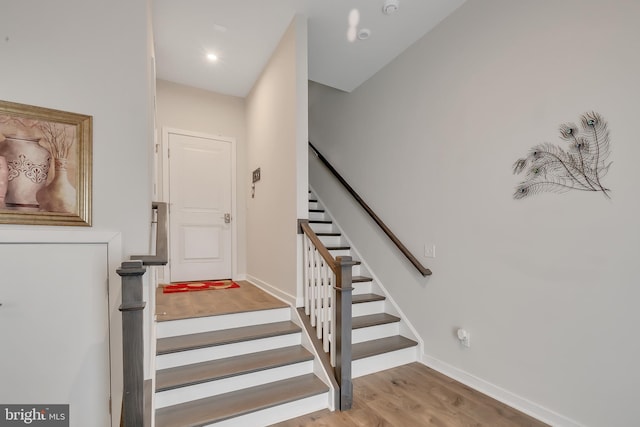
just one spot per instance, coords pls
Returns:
(184, 305)
(415, 395)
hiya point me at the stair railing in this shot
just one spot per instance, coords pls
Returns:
(132, 307)
(422, 269)
(327, 301)
(134, 413)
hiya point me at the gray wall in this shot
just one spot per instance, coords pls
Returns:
(547, 286)
(91, 57)
(275, 109)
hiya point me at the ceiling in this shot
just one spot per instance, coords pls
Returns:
(244, 34)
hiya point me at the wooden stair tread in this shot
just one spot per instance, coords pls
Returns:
(320, 221)
(373, 320)
(360, 279)
(316, 210)
(197, 373)
(225, 336)
(221, 407)
(380, 346)
(338, 248)
(360, 298)
(328, 234)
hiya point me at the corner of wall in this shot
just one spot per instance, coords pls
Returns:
(520, 403)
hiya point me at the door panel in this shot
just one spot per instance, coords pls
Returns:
(200, 196)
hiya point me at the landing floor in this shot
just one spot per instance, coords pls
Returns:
(414, 396)
(184, 305)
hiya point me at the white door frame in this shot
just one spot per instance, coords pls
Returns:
(164, 179)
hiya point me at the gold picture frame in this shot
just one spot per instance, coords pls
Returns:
(45, 166)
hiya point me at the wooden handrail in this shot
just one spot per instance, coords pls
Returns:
(422, 269)
(341, 315)
(161, 256)
(322, 250)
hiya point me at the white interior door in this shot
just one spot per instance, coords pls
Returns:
(200, 183)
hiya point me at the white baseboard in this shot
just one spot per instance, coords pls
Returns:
(270, 289)
(520, 403)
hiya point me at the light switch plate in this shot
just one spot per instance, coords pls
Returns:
(429, 250)
(256, 175)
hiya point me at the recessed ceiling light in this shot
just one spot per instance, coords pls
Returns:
(364, 34)
(212, 57)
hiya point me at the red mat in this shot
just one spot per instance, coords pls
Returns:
(198, 286)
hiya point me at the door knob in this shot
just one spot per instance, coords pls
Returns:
(227, 218)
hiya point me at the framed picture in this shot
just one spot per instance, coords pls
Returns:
(45, 166)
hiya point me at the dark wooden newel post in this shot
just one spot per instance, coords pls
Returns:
(132, 343)
(343, 331)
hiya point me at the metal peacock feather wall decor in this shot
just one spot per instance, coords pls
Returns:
(582, 166)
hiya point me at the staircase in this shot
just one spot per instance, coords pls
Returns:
(379, 335)
(243, 369)
(252, 369)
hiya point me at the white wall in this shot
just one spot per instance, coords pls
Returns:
(81, 377)
(275, 108)
(90, 57)
(547, 286)
(196, 110)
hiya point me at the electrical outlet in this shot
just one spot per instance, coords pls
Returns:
(256, 175)
(465, 337)
(429, 250)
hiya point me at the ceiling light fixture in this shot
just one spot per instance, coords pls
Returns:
(352, 34)
(212, 57)
(354, 19)
(390, 6)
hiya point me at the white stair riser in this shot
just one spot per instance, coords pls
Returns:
(365, 308)
(279, 413)
(226, 385)
(181, 358)
(362, 288)
(196, 325)
(314, 205)
(322, 227)
(378, 363)
(331, 240)
(375, 332)
(340, 252)
(316, 215)
(358, 270)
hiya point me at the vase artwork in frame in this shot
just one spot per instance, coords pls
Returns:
(45, 166)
